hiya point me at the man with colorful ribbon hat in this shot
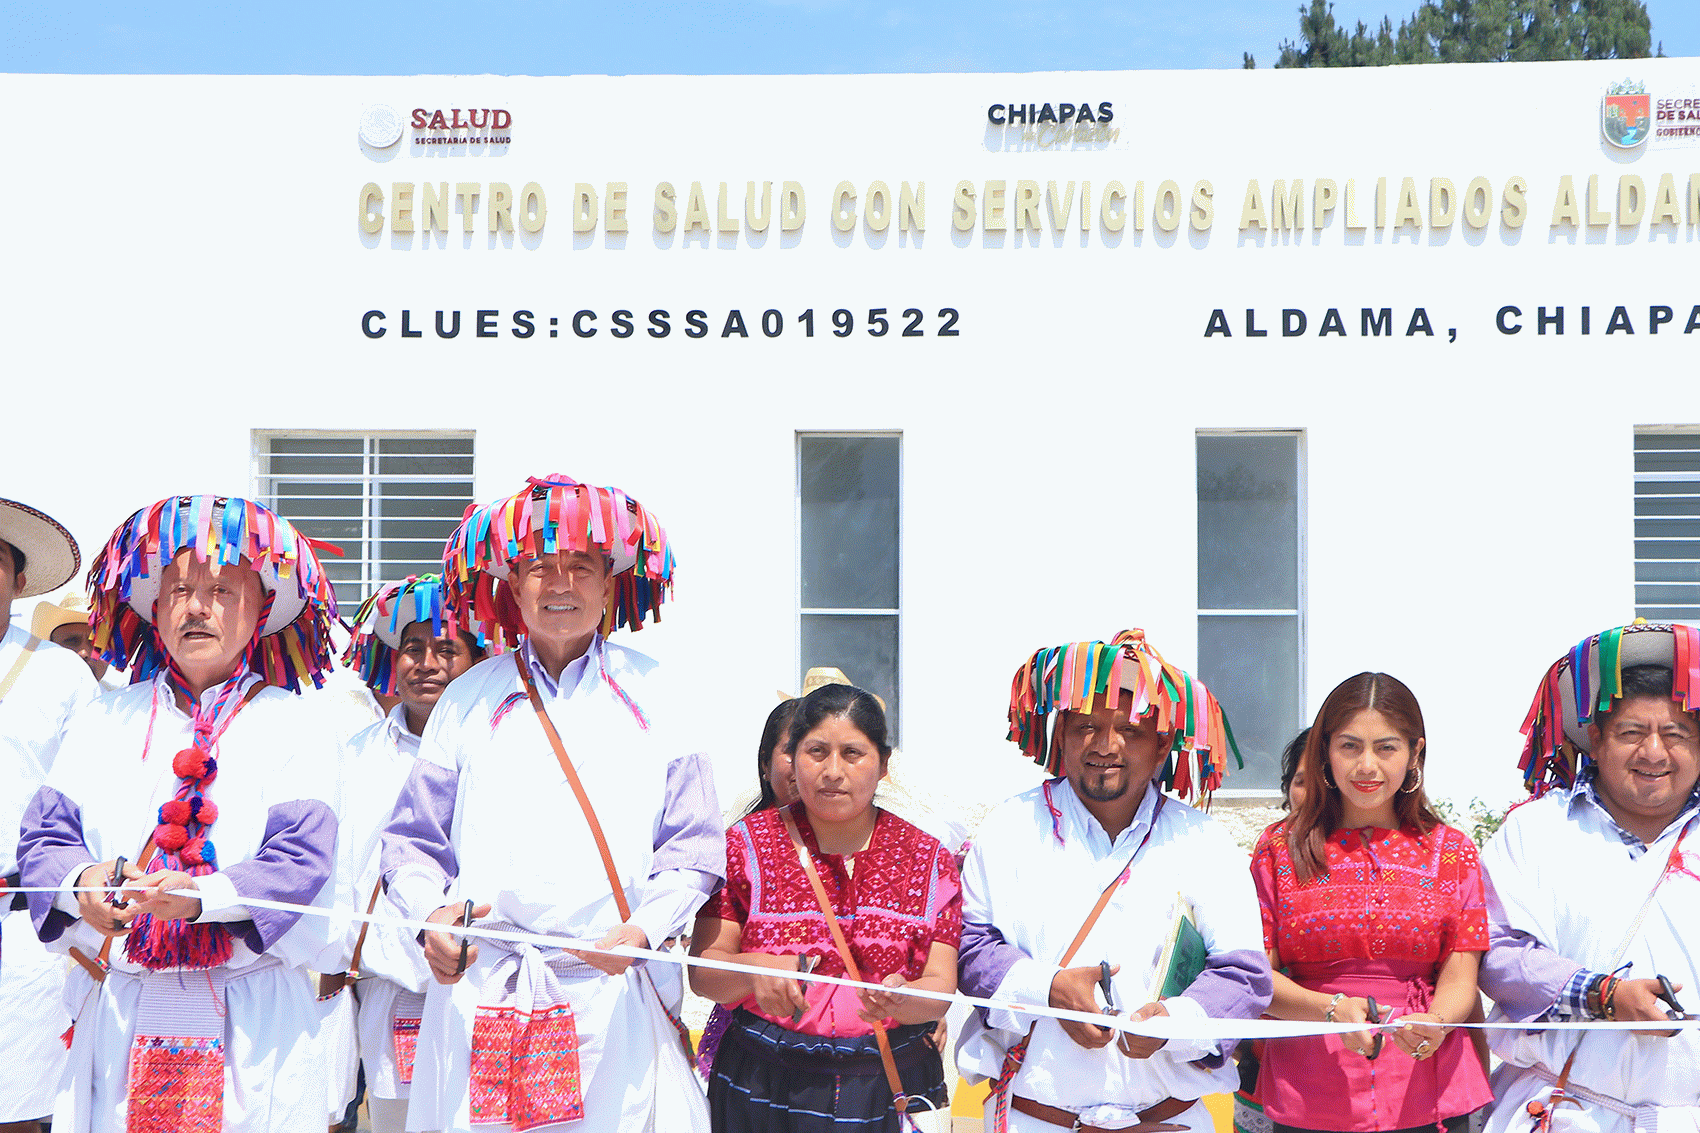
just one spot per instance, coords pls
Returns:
(1594, 892)
(410, 645)
(40, 688)
(552, 790)
(1098, 891)
(210, 790)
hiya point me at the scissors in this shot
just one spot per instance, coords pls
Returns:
(1104, 983)
(1374, 1012)
(116, 897)
(1668, 993)
(465, 941)
(805, 963)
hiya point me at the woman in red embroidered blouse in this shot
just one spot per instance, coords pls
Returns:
(1367, 895)
(802, 1057)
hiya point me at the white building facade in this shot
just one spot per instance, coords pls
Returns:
(1304, 372)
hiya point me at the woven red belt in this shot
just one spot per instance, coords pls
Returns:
(1150, 1120)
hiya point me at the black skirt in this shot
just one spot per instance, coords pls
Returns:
(768, 1079)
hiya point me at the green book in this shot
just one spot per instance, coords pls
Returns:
(1184, 954)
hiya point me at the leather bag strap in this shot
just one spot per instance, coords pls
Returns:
(843, 946)
(360, 940)
(578, 789)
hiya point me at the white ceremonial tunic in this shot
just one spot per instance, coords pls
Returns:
(53, 684)
(1034, 877)
(489, 816)
(375, 764)
(1559, 872)
(275, 836)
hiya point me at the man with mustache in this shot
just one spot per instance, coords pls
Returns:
(611, 836)
(40, 688)
(217, 787)
(1074, 884)
(1593, 891)
(411, 646)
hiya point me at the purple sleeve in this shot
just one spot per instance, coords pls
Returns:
(1233, 985)
(688, 833)
(416, 840)
(294, 863)
(985, 959)
(1524, 977)
(689, 863)
(49, 848)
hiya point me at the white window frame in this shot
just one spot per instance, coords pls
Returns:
(372, 573)
(1639, 478)
(894, 723)
(1301, 549)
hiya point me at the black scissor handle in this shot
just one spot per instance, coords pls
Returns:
(1667, 993)
(1375, 1017)
(1104, 983)
(116, 897)
(465, 941)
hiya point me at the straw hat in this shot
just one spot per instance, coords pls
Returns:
(50, 554)
(71, 610)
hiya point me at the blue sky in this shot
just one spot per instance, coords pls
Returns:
(314, 37)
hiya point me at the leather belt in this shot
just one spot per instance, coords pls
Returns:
(1150, 1120)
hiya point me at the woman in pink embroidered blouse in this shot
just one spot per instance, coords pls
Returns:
(1367, 895)
(799, 1057)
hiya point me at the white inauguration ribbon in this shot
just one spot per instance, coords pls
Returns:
(1158, 1026)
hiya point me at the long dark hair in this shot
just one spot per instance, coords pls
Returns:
(771, 733)
(1321, 812)
(859, 707)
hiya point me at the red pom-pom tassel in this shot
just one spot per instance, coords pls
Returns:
(203, 809)
(186, 764)
(193, 851)
(176, 811)
(170, 837)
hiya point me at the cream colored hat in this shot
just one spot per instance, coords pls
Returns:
(71, 610)
(822, 675)
(51, 557)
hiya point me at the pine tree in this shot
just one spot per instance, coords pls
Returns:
(1475, 31)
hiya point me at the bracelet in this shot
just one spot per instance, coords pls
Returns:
(1328, 1016)
(1608, 993)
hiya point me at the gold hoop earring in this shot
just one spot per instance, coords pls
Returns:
(1328, 778)
(1416, 786)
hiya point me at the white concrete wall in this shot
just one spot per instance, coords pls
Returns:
(184, 265)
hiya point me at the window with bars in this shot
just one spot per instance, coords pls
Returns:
(389, 500)
(1251, 592)
(849, 521)
(1667, 524)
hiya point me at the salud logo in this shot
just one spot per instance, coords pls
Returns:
(1626, 114)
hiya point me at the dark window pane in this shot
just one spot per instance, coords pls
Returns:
(1251, 664)
(864, 646)
(1248, 517)
(850, 521)
(1668, 572)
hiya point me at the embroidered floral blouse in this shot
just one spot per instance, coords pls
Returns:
(1388, 895)
(901, 896)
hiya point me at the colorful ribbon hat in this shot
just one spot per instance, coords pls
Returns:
(385, 616)
(555, 513)
(50, 554)
(1080, 674)
(293, 638)
(1586, 681)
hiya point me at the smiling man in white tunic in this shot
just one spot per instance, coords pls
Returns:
(551, 790)
(40, 688)
(1594, 892)
(1081, 882)
(193, 1012)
